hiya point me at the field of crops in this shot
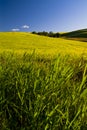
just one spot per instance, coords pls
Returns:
(43, 83)
(26, 42)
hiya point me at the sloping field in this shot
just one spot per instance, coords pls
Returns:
(26, 42)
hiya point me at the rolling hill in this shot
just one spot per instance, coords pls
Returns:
(26, 42)
(76, 35)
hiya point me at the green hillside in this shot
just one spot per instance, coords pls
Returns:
(77, 35)
(26, 42)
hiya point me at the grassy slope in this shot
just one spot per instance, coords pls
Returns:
(76, 35)
(41, 93)
(21, 42)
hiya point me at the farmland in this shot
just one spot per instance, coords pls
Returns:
(43, 83)
(26, 42)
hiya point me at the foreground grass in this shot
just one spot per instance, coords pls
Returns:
(38, 93)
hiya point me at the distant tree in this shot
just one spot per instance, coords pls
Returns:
(39, 33)
(34, 32)
(44, 33)
(50, 34)
(56, 35)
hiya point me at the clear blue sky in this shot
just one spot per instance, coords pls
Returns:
(43, 15)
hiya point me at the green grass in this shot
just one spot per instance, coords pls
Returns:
(43, 83)
(41, 93)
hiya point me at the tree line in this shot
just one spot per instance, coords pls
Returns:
(49, 34)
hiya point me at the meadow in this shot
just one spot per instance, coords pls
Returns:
(43, 83)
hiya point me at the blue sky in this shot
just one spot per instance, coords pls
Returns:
(43, 15)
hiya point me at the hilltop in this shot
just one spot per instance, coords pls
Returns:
(76, 35)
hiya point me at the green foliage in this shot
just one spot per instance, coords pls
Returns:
(49, 34)
(37, 93)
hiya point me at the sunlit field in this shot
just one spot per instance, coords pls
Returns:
(26, 42)
(43, 83)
